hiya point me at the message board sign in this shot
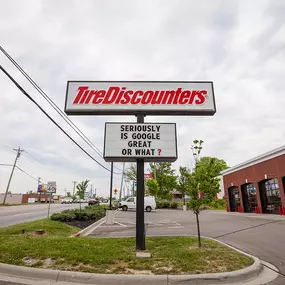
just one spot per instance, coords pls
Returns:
(188, 98)
(126, 142)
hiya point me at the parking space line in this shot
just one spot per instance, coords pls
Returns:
(122, 225)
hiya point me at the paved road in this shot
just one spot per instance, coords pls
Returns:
(19, 214)
(260, 235)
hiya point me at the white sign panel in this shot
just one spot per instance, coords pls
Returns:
(86, 195)
(130, 141)
(131, 97)
(51, 187)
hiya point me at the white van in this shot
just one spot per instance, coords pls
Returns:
(131, 203)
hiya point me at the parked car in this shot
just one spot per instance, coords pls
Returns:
(66, 201)
(131, 203)
(92, 202)
(105, 202)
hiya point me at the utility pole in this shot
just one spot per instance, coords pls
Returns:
(121, 188)
(39, 181)
(19, 151)
(74, 184)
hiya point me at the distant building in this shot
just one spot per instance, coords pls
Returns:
(18, 199)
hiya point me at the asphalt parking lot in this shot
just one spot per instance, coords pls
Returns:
(260, 235)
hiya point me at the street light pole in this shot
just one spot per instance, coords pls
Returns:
(19, 151)
(121, 188)
(74, 184)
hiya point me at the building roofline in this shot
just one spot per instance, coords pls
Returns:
(258, 159)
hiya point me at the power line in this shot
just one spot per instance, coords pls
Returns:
(52, 104)
(37, 160)
(47, 115)
(31, 176)
(27, 173)
(33, 157)
(4, 164)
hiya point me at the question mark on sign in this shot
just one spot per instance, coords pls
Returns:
(159, 151)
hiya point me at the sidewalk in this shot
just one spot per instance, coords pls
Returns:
(249, 215)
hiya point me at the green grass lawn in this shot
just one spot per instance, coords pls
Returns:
(53, 228)
(170, 255)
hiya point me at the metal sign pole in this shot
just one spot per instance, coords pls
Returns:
(49, 204)
(140, 230)
(111, 185)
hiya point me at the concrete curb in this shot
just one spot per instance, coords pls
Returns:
(108, 279)
(87, 231)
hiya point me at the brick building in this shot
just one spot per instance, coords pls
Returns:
(257, 185)
(24, 198)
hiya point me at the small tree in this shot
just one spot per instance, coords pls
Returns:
(203, 184)
(165, 177)
(81, 188)
(131, 173)
(152, 186)
(183, 181)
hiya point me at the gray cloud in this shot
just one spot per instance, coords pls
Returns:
(237, 44)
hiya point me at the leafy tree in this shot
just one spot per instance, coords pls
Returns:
(131, 173)
(203, 183)
(183, 181)
(152, 186)
(165, 176)
(216, 165)
(81, 188)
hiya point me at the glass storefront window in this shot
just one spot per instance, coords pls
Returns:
(273, 199)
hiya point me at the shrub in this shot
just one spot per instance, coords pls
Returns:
(165, 204)
(89, 213)
(174, 205)
(63, 217)
(158, 204)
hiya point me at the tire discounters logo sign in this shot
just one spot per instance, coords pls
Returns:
(130, 141)
(131, 97)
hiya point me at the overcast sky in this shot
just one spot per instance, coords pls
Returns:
(239, 45)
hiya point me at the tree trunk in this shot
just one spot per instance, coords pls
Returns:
(184, 201)
(198, 228)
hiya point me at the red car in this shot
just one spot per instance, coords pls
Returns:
(92, 202)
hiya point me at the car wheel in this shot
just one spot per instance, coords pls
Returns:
(125, 208)
(148, 209)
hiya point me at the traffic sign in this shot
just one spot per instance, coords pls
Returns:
(51, 187)
(116, 191)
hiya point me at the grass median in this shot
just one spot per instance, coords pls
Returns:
(56, 250)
